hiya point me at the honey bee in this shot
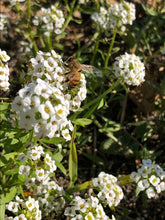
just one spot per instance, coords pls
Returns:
(26, 193)
(75, 68)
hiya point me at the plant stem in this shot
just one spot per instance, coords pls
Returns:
(110, 48)
(95, 50)
(72, 9)
(85, 185)
(28, 12)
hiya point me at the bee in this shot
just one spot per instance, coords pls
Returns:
(26, 193)
(75, 68)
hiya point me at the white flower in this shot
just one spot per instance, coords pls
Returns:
(100, 212)
(3, 56)
(4, 70)
(160, 187)
(43, 88)
(144, 171)
(77, 217)
(40, 173)
(94, 201)
(30, 181)
(117, 15)
(47, 159)
(154, 180)
(70, 211)
(39, 149)
(22, 217)
(22, 157)
(130, 68)
(46, 110)
(26, 120)
(60, 111)
(89, 216)
(52, 185)
(24, 170)
(150, 192)
(81, 205)
(38, 214)
(27, 90)
(34, 154)
(159, 171)
(50, 64)
(143, 184)
(13, 206)
(147, 162)
(135, 176)
(30, 204)
(46, 178)
(66, 135)
(52, 166)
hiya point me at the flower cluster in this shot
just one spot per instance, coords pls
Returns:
(47, 199)
(14, 2)
(117, 15)
(130, 68)
(4, 23)
(83, 1)
(149, 178)
(50, 19)
(44, 104)
(90, 208)
(4, 70)
(109, 191)
(31, 209)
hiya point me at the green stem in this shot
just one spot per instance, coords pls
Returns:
(110, 48)
(95, 50)
(29, 12)
(18, 9)
(80, 187)
(31, 39)
(72, 9)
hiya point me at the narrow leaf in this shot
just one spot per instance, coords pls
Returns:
(73, 160)
(82, 121)
(72, 163)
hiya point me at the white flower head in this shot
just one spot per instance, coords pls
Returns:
(40, 174)
(144, 171)
(46, 110)
(13, 206)
(130, 68)
(154, 180)
(150, 192)
(30, 204)
(135, 176)
(24, 170)
(143, 184)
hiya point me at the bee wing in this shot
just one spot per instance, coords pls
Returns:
(90, 69)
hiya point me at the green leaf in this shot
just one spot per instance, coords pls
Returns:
(5, 106)
(57, 157)
(101, 104)
(55, 140)
(149, 11)
(82, 121)
(72, 163)
(2, 211)
(8, 196)
(137, 191)
(5, 158)
(60, 166)
(73, 159)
